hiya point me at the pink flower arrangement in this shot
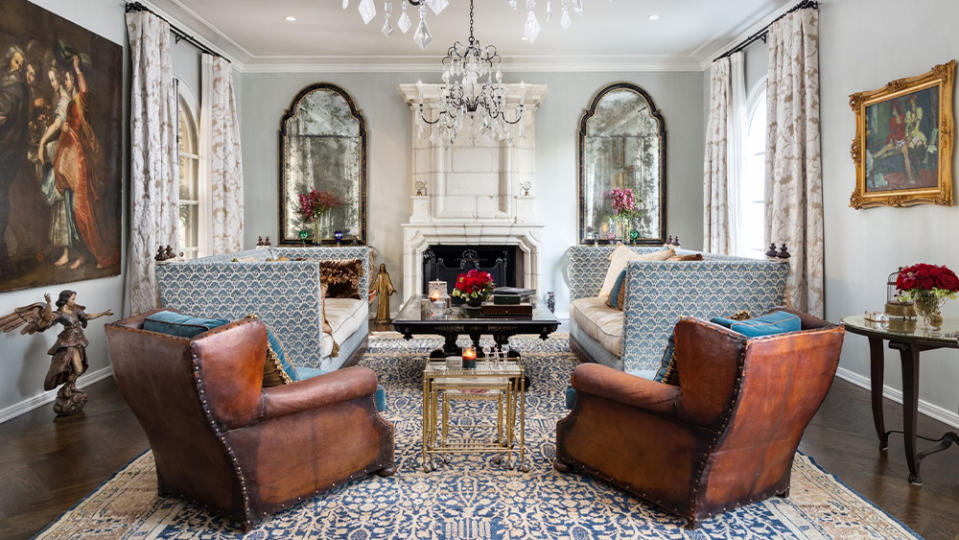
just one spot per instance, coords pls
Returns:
(624, 203)
(316, 203)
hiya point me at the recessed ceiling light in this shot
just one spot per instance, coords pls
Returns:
(290, 18)
(654, 17)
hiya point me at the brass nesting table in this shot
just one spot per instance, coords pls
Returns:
(492, 381)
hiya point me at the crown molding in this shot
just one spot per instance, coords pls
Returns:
(710, 49)
(202, 30)
(526, 64)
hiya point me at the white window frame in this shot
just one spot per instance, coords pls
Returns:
(756, 99)
(204, 194)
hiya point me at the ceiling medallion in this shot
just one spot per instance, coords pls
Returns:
(472, 89)
(422, 35)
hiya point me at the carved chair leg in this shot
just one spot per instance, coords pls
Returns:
(783, 494)
(561, 466)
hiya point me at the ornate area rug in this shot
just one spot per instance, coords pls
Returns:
(474, 496)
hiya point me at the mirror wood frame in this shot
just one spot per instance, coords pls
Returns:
(589, 113)
(281, 162)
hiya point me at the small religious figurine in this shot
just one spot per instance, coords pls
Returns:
(384, 288)
(69, 352)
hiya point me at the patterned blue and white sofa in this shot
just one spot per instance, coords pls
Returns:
(285, 295)
(658, 294)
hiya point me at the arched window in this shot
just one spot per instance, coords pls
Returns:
(189, 175)
(752, 196)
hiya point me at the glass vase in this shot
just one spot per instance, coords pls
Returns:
(928, 310)
(316, 230)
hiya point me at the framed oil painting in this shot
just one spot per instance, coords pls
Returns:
(60, 144)
(903, 144)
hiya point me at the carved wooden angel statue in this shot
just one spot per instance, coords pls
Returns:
(69, 352)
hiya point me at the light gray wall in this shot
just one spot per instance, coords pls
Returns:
(264, 98)
(24, 360)
(862, 48)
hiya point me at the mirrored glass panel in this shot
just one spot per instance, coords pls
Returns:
(622, 168)
(323, 148)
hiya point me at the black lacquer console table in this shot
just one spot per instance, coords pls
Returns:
(909, 342)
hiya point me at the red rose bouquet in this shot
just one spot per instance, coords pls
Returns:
(928, 286)
(474, 286)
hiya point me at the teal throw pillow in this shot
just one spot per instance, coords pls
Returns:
(617, 293)
(570, 397)
(277, 349)
(770, 324)
(180, 325)
(667, 372)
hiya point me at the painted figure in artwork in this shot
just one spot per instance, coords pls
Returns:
(902, 142)
(14, 119)
(69, 356)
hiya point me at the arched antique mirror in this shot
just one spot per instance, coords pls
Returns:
(323, 148)
(622, 144)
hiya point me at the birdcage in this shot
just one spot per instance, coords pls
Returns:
(895, 305)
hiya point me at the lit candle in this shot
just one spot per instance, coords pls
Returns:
(469, 357)
(435, 296)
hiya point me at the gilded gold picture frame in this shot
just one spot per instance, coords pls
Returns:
(904, 138)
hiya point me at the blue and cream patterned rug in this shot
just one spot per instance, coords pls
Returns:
(472, 496)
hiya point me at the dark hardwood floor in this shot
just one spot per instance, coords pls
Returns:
(46, 466)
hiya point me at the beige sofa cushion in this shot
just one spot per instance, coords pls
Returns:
(619, 258)
(600, 322)
(345, 316)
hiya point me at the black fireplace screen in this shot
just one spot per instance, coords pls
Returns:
(446, 262)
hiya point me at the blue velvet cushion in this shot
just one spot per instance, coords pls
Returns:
(570, 397)
(277, 349)
(616, 294)
(667, 372)
(379, 397)
(776, 322)
(180, 325)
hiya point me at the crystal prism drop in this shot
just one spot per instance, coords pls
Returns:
(438, 5)
(578, 6)
(531, 28)
(387, 28)
(549, 10)
(422, 37)
(367, 10)
(404, 23)
(512, 4)
(565, 21)
(346, 4)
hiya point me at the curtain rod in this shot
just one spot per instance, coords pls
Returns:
(805, 4)
(177, 32)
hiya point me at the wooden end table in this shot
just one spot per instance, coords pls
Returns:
(909, 341)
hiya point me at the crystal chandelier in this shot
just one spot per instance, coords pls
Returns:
(471, 93)
(422, 35)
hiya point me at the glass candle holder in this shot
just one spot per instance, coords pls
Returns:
(469, 358)
(438, 287)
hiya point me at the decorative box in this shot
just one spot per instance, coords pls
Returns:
(489, 309)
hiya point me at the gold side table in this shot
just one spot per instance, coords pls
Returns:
(499, 381)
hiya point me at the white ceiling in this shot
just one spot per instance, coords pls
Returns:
(611, 33)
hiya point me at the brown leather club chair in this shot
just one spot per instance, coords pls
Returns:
(220, 439)
(725, 437)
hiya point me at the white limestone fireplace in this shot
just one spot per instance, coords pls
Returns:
(473, 191)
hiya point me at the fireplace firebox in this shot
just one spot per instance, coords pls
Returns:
(446, 262)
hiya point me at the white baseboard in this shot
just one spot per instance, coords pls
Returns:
(929, 409)
(47, 397)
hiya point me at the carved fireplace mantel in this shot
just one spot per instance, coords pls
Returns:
(472, 191)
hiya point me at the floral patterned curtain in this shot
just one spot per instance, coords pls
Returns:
(154, 192)
(225, 166)
(794, 212)
(716, 218)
